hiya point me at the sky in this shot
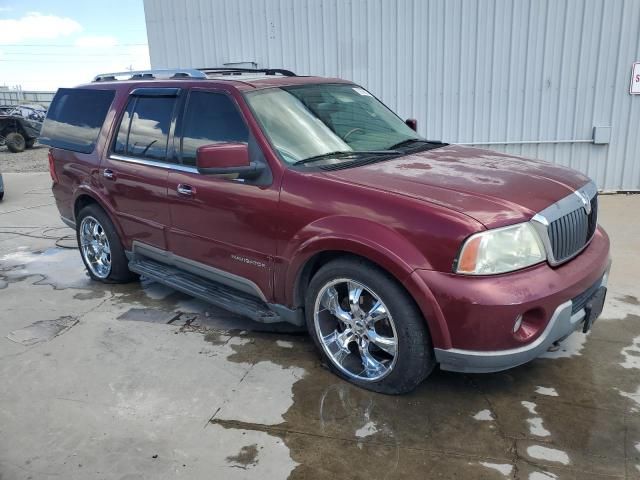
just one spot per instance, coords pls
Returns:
(47, 44)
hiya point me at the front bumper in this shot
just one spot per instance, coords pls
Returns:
(472, 319)
(562, 324)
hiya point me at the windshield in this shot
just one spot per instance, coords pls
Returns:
(310, 121)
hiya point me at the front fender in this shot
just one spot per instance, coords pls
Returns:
(375, 242)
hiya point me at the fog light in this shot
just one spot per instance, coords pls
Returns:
(518, 324)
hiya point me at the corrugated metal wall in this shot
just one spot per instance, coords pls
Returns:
(468, 70)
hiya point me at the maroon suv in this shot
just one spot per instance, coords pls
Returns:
(306, 200)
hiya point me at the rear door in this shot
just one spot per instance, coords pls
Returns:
(134, 174)
(223, 224)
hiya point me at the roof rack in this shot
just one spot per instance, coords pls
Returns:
(239, 71)
(151, 74)
(193, 73)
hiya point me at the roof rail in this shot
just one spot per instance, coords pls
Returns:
(151, 74)
(240, 71)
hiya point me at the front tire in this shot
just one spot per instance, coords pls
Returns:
(367, 327)
(100, 247)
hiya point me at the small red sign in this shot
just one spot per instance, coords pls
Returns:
(635, 79)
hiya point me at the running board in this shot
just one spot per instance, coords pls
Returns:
(219, 295)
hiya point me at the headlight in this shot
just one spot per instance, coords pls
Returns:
(500, 250)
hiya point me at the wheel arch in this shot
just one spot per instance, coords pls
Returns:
(86, 197)
(12, 126)
(319, 251)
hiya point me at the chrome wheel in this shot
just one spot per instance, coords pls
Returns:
(95, 247)
(355, 330)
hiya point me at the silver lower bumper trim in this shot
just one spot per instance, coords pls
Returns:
(561, 325)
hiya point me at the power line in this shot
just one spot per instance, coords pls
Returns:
(56, 61)
(69, 45)
(71, 54)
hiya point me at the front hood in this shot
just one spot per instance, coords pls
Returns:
(496, 189)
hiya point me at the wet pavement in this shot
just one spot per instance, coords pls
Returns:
(139, 381)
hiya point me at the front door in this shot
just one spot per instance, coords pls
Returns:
(134, 174)
(223, 223)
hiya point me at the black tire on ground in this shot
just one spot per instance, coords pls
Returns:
(30, 143)
(1, 195)
(15, 142)
(119, 272)
(415, 358)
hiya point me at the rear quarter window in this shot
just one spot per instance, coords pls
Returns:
(75, 118)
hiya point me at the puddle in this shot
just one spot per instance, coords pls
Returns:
(629, 299)
(247, 457)
(42, 331)
(209, 322)
(59, 267)
(443, 426)
(633, 396)
(618, 307)
(571, 347)
(63, 269)
(149, 315)
(451, 423)
(631, 355)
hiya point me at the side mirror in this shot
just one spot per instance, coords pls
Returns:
(412, 123)
(225, 159)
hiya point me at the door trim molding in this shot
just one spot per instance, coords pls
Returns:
(211, 273)
(153, 163)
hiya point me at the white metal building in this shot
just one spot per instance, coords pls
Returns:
(531, 77)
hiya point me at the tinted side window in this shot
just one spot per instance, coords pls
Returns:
(144, 128)
(120, 145)
(210, 118)
(75, 118)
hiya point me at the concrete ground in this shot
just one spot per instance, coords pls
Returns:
(31, 160)
(138, 381)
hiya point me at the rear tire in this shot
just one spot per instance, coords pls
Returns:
(367, 328)
(100, 247)
(15, 142)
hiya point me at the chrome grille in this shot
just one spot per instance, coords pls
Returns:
(565, 227)
(571, 232)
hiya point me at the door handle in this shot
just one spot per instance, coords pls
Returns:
(186, 190)
(108, 174)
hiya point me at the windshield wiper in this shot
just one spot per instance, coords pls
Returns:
(345, 153)
(411, 141)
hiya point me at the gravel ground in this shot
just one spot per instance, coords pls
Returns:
(31, 160)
